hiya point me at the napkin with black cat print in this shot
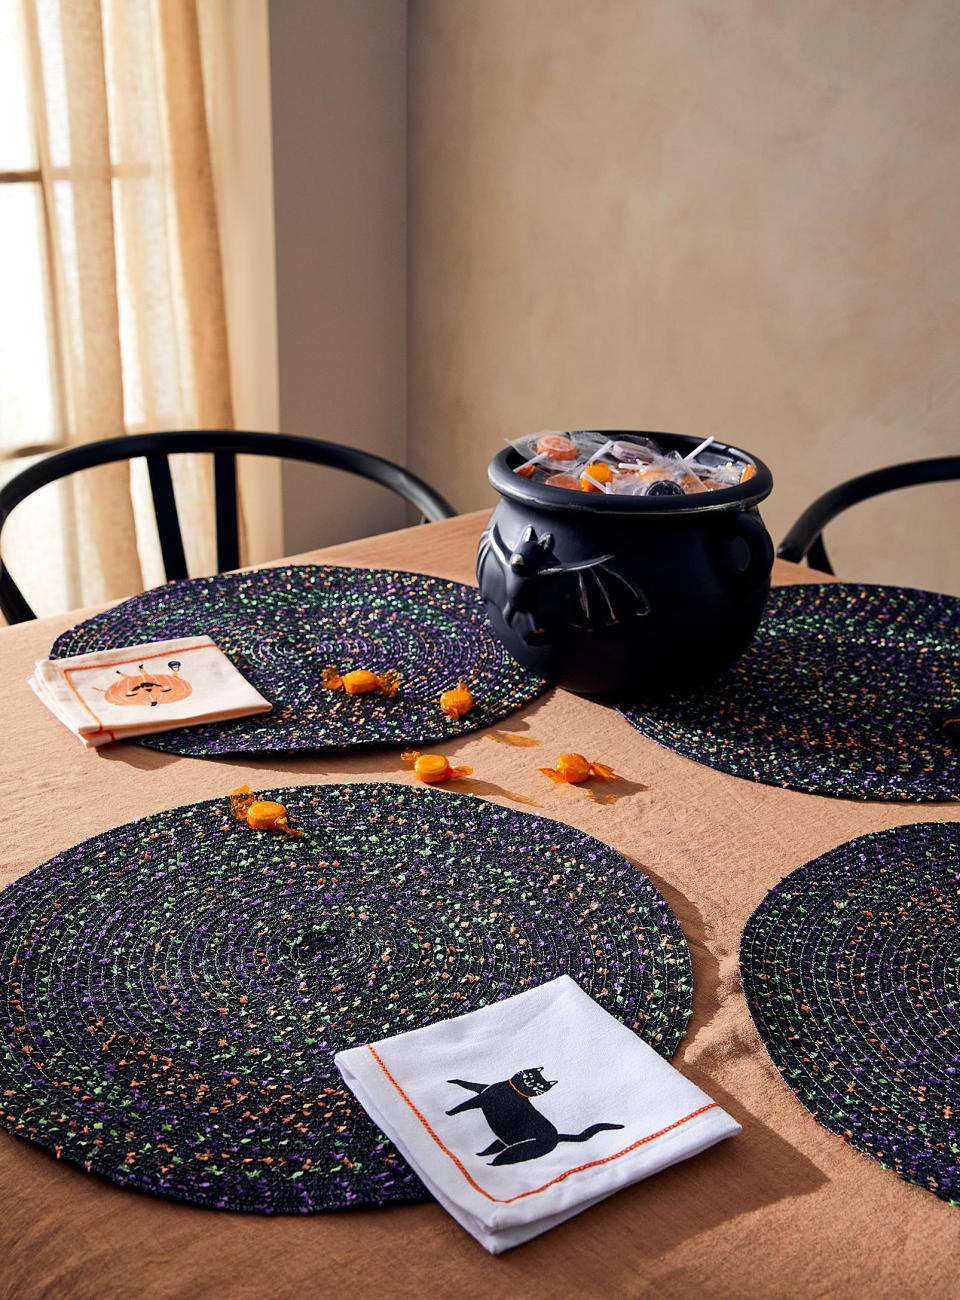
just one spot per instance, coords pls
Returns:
(522, 1114)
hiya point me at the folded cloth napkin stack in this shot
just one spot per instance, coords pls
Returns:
(524, 1113)
(138, 690)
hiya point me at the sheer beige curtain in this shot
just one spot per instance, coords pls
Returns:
(112, 311)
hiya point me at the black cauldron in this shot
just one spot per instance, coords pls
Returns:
(606, 594)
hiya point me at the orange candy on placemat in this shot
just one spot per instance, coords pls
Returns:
(360, 681)
(260, 814)
(456, 702)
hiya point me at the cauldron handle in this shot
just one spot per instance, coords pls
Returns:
(749, 530)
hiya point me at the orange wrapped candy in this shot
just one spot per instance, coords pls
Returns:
(456, 702)
(361, 682)
(594, 475)
(260, 814)
(574, 768)
(432, 768)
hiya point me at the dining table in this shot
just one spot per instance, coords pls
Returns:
(784, 1209)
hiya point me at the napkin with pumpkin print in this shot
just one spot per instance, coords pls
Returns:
(138, 690)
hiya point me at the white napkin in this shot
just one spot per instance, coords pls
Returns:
(138, 690)
(564, 1105)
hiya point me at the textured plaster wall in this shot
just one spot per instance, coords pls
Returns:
(338, 88)
(736, 217)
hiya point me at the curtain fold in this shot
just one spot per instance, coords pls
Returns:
(135, 305)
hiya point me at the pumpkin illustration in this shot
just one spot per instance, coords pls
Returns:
(149, 688)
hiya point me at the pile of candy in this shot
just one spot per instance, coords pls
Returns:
(629, 465)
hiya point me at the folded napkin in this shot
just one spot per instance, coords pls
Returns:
(137, 690)
(526, 1112)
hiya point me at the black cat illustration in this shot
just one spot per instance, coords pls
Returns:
(522, 1133)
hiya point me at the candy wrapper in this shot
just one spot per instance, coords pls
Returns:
(361, 682)
(635, 451)
(456, 702)
(433, 768)
(572, 769)
(554, 452)
(260, 814)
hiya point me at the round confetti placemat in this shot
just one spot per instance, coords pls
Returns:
(851, 969)
(283, 626)
(174, 990)
(839, 694)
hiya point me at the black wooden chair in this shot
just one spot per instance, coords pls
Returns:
(225, 445)
(804, 541)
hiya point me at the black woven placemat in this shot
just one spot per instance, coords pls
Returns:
(283, 626)
(851, 969)
(174, 990)
(841, 693)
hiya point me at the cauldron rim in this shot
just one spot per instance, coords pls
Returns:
(742, 497)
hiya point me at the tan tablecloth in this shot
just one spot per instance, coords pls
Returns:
(784, 1210)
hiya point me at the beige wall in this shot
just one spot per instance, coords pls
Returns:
(736, 217)
(338, 88)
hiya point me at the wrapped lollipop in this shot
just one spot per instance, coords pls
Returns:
(568, 481)
(635, 450)
(597, 477)
(552, 452)
(680, 471)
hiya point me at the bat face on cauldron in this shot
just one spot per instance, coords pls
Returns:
(598, 595)
(532, 552)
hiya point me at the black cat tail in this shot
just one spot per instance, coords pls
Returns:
(587, 1133)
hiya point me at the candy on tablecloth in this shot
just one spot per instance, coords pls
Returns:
(574, 768)
(433, 768)
(260, 814)
(457, 701)
(360, 681)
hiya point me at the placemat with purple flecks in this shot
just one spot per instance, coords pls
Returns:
(282, 626)
(851, 969)
(847, 689)
(174, 990)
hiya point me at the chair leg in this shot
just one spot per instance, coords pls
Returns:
(817, 555)
(225, 500)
